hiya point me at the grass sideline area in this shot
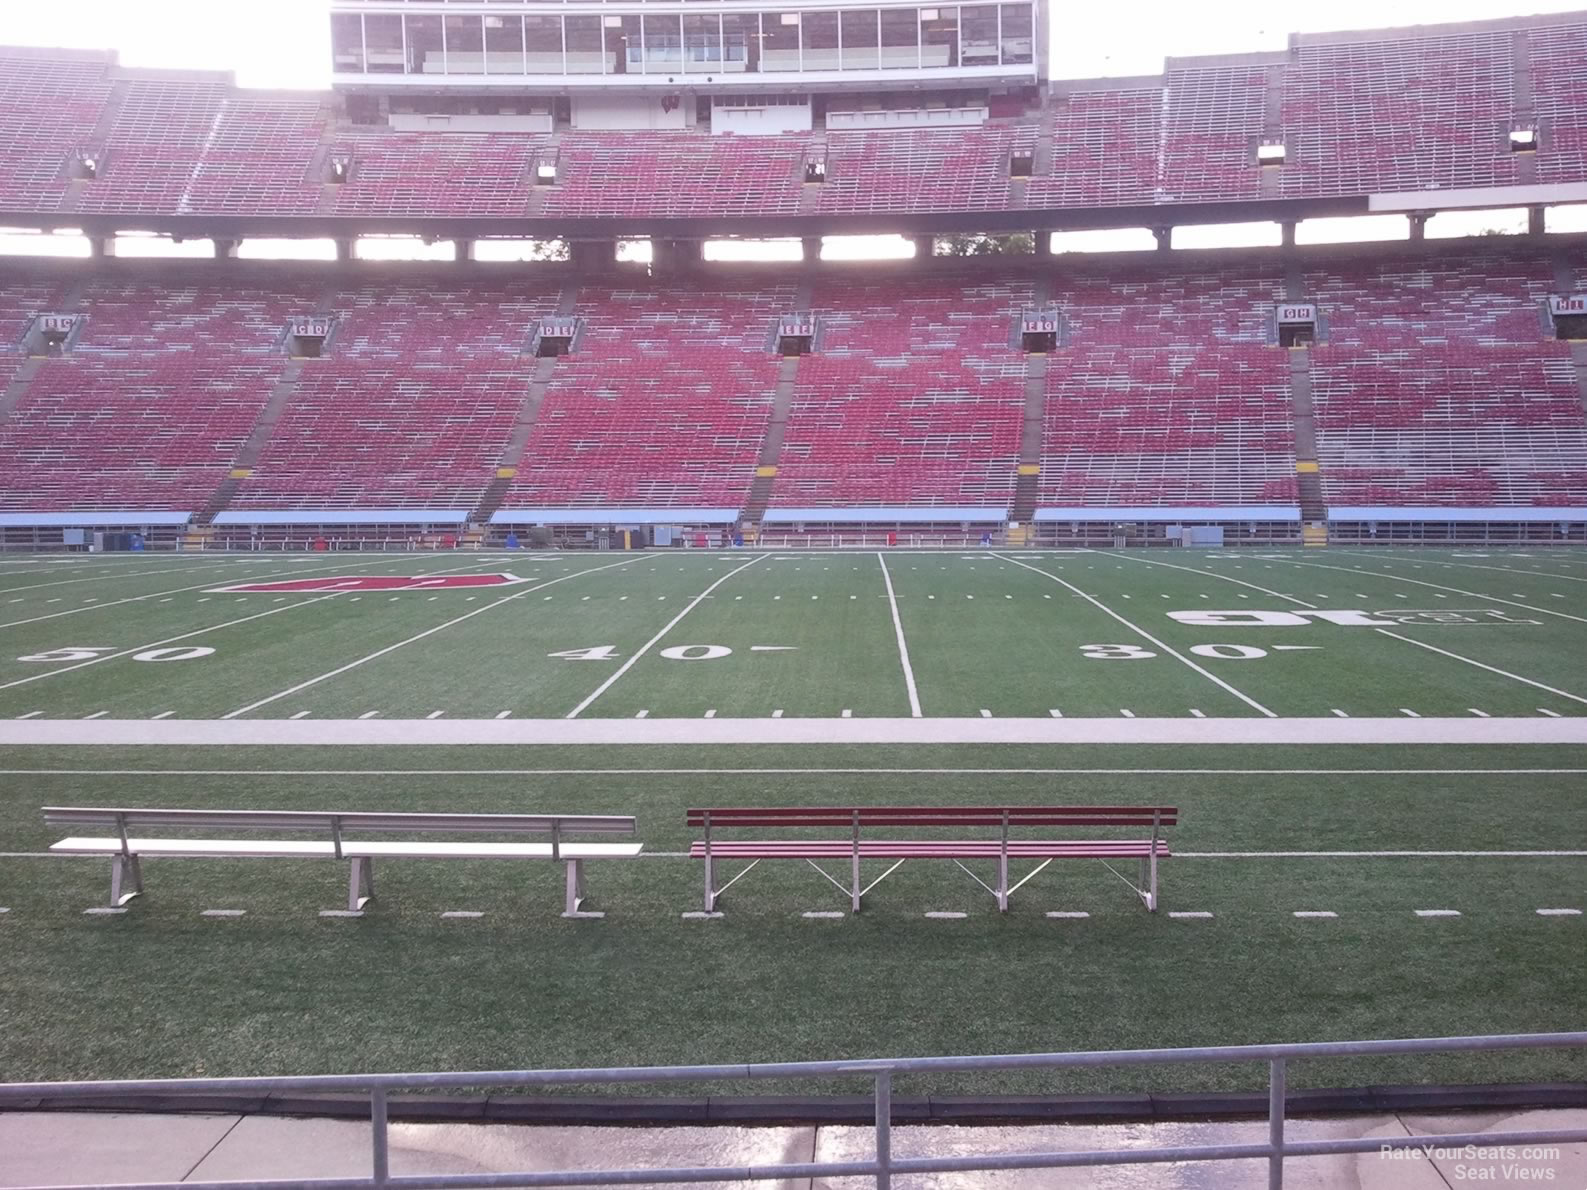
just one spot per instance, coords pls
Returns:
(163, 991)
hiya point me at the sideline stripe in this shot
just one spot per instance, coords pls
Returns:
(1504, 673)
(764, 772)
(253, 706)
(609, 731)
(287, 607)
(653, 641)
(903, 649)
(1141, 632)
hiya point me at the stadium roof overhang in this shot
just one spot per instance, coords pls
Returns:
(194, 226)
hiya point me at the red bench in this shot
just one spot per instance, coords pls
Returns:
(998, 846)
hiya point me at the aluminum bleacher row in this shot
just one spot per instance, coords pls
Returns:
(1435, 387)
(165, 384)
(1412, 110)
(1435, 384)
(1169, 394)
(916, 397)
(411, 410)
(666, 401)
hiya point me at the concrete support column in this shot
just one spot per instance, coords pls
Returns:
(100, 247)
(226, 249)
(924, 246)
(1287, 233)
(812, 249)
(344, 250)
(1535, 221)
(1419, 225)
(1164, 237)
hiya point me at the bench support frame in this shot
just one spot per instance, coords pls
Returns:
(360, 883)
(124, 868)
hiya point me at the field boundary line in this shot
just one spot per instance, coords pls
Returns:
(903, 648)
(773, 771)
(1568, 578)
(1395, 578)
(170, 640)
(1145, 635)
(253, 706)
(267, 577)
(651, 643)
(1421, 644)
(387, 733)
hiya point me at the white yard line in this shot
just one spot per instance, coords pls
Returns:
(1408, 640)
(795, 772)
(1503, 673)
(479, 611)
(268, 576)
(170, 640)
(1396, 578)
(903, 648)
(1214, 574)
(1141, 632)
(653, 641)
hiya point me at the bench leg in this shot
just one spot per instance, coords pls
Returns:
(854, 901)
(1151, 900)
(575, 887)
(1002, 884)
(124, 868)
(360, 884)
(710, 885)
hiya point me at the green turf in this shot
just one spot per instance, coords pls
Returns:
(1086, 634)
(164, 991)
(161, 990)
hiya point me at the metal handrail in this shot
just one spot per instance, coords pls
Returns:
(881, 1072)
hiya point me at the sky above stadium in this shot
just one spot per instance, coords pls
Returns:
(285, 43)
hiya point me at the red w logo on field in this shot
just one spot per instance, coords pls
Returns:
(379, 582)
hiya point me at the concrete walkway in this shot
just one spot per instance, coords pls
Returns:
(46, 1149)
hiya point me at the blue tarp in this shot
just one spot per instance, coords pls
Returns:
(1490, 514)
(615, 516)
(1176, 514)
(343, 516)
(90, 520)
(884, 516)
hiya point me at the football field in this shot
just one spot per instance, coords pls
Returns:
(1319, 890)
(1170, 634)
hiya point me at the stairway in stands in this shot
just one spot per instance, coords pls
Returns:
(512, 454)
(1308, 471)
(771, 448)
(1028, 481)
(242, 466)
